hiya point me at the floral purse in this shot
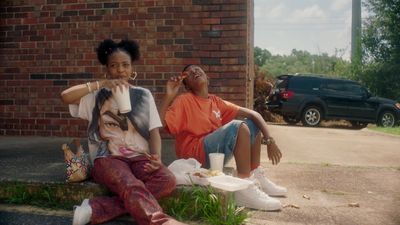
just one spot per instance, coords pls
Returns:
(77, 163)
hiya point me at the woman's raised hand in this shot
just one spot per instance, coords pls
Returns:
(173, 85)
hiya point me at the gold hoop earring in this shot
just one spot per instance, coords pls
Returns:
(134, 74)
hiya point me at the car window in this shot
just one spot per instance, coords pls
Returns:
(281, 84)
(343, 87)
(354, 89)
(335, 86)
(304, 83)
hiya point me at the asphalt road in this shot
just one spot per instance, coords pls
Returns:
(18, 218)
(28, 215)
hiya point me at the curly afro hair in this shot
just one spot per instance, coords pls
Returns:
(108, 46)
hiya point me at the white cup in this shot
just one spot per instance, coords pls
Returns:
(123, 99)
(216, 161)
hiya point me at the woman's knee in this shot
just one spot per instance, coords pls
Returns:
(244, 130)
(166, 183)
(170, 180)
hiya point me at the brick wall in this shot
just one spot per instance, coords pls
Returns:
(48, 45)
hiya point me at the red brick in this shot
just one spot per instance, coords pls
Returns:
(39, 45)
(211, 21)
(29, 20)
(229, 61)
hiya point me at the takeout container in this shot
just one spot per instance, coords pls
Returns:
(229, 183)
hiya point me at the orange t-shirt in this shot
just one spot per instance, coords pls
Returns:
(190, 118)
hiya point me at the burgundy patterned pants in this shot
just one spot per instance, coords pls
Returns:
(137, 191)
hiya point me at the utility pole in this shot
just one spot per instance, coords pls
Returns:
(356, 31)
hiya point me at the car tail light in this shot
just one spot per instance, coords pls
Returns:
(287, 94)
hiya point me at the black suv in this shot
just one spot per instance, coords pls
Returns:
(312, 98)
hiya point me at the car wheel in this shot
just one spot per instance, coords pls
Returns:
(311, 116)
(386, 119)
(290, 120)
(358, 124)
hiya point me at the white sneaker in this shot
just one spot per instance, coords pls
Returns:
(266, 185)
(82, 213)
(254, 198)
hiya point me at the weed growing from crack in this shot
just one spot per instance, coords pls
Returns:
(203, 203)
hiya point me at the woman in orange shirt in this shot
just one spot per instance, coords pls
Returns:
(203, 123)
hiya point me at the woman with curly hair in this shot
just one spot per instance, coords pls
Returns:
(125, 148)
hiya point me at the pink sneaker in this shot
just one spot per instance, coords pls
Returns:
(266, 185)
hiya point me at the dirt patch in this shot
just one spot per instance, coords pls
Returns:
(334, 193)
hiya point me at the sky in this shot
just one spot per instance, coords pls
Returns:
(317, 26)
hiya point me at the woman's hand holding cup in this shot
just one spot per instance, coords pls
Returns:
(115, 83)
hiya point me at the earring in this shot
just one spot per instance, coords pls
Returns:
(134, 74)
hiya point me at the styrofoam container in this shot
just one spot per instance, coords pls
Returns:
(229, 183)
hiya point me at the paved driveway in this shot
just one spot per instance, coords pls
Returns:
(337, 146)
(336, 169)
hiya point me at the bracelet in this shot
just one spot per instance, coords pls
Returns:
(98, 85)
(268, 141)
(88, 86)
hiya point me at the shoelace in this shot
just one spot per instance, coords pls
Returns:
(257, 183)
(259, 192)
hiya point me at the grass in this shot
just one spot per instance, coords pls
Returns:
(204, 204)
(391, 130)
(45, 197)
(193, 203)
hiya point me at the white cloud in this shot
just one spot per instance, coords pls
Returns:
(265, 11)
(307, 14)
(277, 11)
(319, 27)
(339, 5)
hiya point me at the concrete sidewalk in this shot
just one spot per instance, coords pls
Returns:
(41, 159)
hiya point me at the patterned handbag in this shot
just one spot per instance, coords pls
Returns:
(77, 163)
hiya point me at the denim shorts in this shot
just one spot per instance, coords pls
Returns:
(223, 139)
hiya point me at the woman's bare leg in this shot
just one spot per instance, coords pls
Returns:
(256, 152)
(242, 152)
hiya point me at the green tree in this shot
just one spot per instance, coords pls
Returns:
(261, 56)
(381, 33)
(300, 61)
(381, 48)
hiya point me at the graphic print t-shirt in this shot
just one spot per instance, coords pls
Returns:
(127, 143)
